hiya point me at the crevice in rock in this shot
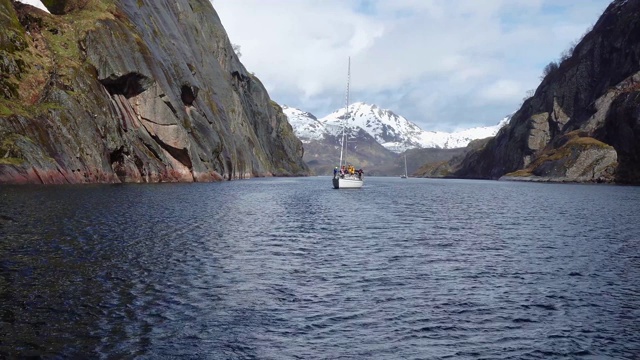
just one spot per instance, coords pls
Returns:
(63, 175)
(155, 122)
(152, 150)
(118, 154)
(191, 67)
(35, 171)
(188, 94)
(128, 85)
(227, 160)
(165, 100)
(140, 166)
(117, 160)
(240, 77)
(182, 155)
(241, 80)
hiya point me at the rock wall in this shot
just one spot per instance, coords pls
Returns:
(595, 91)
(133, 91)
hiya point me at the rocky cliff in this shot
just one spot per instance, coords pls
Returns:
(132, 91)
(583, 123)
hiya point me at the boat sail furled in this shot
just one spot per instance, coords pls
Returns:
(345, 176)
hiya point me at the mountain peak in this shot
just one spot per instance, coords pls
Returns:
(392, 131)
(305, 125)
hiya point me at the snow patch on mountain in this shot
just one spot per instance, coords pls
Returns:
(392, 131)
(305, 125)
(36, 3)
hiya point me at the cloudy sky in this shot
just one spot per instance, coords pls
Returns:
(443, 64)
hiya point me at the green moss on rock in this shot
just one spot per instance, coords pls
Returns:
(10, 152)
(11, 161)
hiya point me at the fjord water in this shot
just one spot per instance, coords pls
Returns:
(293, 269)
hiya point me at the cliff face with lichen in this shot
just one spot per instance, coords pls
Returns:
(583, 123)
(132, 91)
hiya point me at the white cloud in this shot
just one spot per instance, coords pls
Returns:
(503, 90)
(442, 64)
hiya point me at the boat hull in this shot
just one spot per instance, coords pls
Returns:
(347, 183)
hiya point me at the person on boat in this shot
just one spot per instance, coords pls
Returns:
(335, 171)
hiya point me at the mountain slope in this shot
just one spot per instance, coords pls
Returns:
(305, 125)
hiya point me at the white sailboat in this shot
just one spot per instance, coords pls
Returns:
(405, 168)
(346, 176)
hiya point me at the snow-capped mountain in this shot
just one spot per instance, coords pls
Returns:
(305, 125)
(392, 131)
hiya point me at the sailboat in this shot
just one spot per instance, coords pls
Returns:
(345, 176)
(405, 168)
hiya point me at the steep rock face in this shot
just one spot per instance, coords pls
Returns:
(133, 91)
(622, 131)
(594, 91)
(574, 157)
(443, 166)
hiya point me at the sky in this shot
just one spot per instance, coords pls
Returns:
(445, 65)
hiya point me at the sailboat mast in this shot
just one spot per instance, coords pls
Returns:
(405, 166)
(343, 148)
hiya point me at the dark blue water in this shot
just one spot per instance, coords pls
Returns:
(293, 269)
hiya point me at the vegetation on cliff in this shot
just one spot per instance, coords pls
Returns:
(572, 157)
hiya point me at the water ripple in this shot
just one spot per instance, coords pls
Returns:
(292, 269)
